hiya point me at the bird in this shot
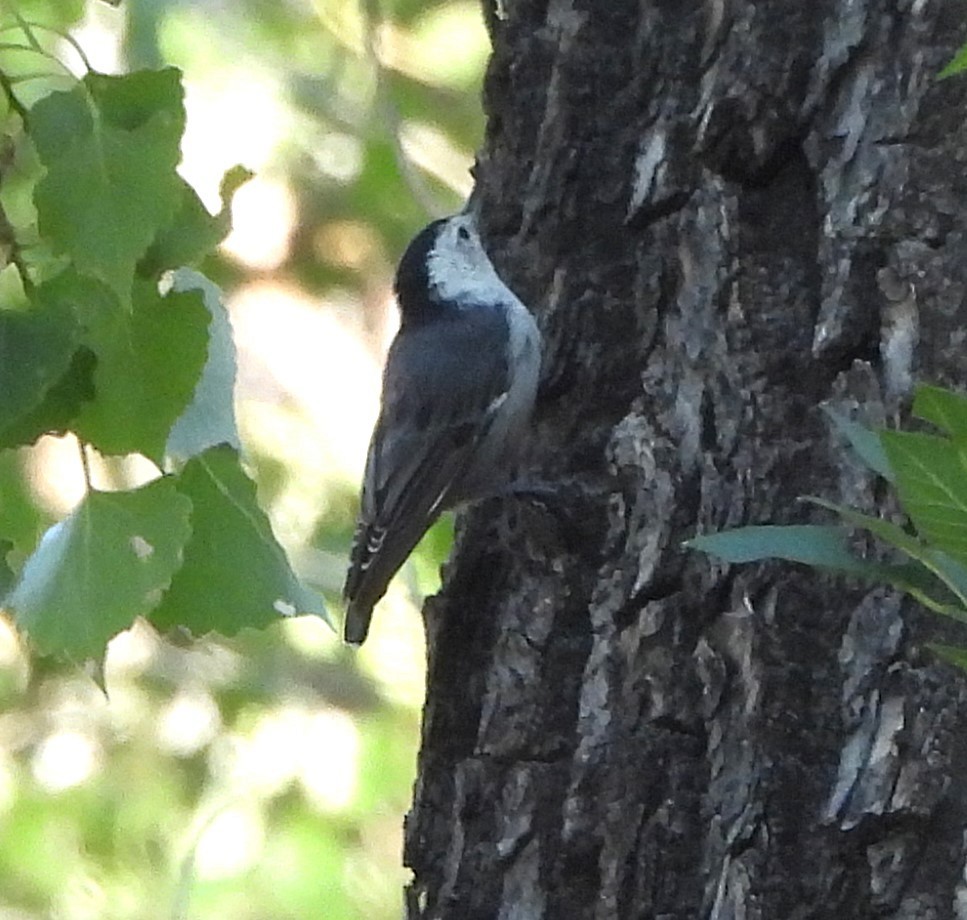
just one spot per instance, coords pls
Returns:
(458, 390)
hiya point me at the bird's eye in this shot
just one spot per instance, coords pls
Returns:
(463, 233)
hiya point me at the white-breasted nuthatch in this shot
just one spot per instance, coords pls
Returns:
(458, 389)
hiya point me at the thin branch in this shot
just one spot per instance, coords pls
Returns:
(28, 32)
(27, 26)
(16, 259)
(8, 235)
(7, 86)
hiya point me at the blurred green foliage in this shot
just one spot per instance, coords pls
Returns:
(266, 776)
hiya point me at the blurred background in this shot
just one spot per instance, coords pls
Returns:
(267, 776)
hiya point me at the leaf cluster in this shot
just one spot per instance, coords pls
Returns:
(929, 474)
(106, 334)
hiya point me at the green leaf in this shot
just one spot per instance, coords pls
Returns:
(886, 530)
(952, 653)
(825, 547)
(36, 348)
(210, 417)
(944, 408)
(60, 405)
(952, 573)
(149, 363)
(934, 579)
(99, 568)
(811, 544)
(23, 520)
(58, 120)
(131, 100)
(193, 232)
(111, 182)
(958, 64)
(62, 301)
(235, 574)
(865, 442)
(931, 479)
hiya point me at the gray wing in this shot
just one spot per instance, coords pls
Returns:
(439, 389)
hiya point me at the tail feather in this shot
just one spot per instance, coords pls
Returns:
(358, 616)
(362, 591)
(375, 558)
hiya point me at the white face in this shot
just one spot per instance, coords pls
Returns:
(459, 267)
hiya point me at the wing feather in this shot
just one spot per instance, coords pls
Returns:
(431, 422)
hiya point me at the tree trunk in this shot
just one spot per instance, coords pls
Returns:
(725, 215)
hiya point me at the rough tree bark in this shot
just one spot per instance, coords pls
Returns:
(726, 215)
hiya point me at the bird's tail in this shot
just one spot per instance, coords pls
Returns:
(363, 589)
(358, 615)
(376, 556)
